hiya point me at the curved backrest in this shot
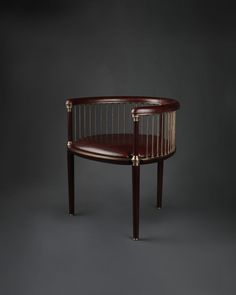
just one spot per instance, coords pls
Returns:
(115, 115)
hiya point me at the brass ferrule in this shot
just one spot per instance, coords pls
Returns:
(69, 106)
(135, 118)
(135, 161)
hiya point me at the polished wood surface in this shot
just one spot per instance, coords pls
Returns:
(162, 104)
(116, 145)
(70, 173)
(136, 200)
(160, 167)
(89, 137)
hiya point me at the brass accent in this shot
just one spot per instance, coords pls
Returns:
(135, 161)
(135, 118)
(69, 106)
(69, 143)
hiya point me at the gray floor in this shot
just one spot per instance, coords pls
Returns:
(183, 249)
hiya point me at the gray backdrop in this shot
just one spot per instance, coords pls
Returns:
(51, 51)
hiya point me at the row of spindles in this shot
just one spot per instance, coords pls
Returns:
(115, 118)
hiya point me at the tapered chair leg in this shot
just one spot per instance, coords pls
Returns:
(70, 168)
(159, 183)
(136, 200)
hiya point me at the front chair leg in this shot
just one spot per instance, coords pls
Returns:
(159, 183)
(70, 168)
(136, 181)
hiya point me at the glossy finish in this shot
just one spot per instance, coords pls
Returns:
(115, 160)
(163, 104)
(136, 200)
(159, 183)
(131, 148)
(136, 179)
(69, 126)
(167, 105)
(116, 145)
(70, 167)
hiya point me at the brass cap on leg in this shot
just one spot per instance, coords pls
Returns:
(135, 161)
(135, 239)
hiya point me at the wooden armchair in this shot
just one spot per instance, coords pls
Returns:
(122, 130)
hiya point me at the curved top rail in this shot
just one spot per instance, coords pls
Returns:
(163, 105)
(160, 103)
(103, 127)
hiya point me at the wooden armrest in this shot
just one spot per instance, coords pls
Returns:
(165, 105)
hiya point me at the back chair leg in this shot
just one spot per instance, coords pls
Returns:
(159, 183)
(70, 168)
(136, 201)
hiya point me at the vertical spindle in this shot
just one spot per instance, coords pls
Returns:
(174, 129)
(141, 126)
(163, 137)
(147, 134)
(171, 134)
(79, 121)
(106, 119)
(90, 121)
(152, 136)
(84, 120)
(112, 119)
(157, 134)
(118, 119)
(124, 117)
(168, 132)
(75, 123)
(95, 119)
(160, 135)
(101, 118)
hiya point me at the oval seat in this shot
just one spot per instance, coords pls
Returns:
(119, 145)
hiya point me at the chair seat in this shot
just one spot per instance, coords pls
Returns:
(117, 145)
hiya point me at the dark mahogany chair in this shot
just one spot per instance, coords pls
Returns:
(122, 130)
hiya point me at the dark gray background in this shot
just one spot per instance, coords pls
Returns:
(179, 49)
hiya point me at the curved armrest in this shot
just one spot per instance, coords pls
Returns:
(163, 106)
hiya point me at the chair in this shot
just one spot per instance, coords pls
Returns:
(121, 130)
